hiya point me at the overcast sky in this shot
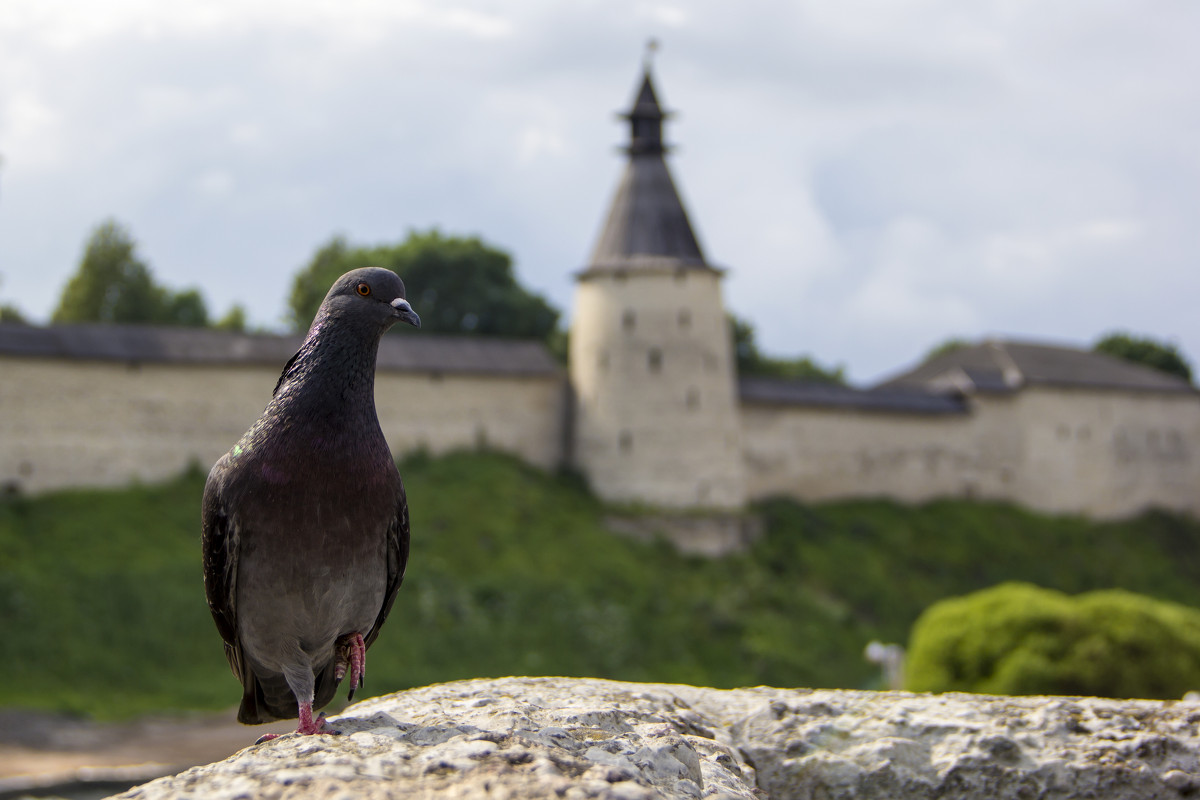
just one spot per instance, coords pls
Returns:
(877, 176)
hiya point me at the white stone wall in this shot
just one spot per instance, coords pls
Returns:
(522, 416)
(652, 368)
(1109, 454)
(1101, 453)
(827, 453)
(94, 423)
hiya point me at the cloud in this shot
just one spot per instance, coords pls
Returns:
(32, 127)
(877, 176)
(216, 183)
(666, 15)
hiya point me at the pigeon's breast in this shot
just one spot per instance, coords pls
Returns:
(313, 554)
(323, 578)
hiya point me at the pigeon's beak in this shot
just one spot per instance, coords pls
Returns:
(404, 312)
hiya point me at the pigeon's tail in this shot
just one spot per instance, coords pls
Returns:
(267, 698)
(254, 709)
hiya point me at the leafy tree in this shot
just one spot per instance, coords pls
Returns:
(114, 285)
(457, 285)
(948, 346)
(234, 320)
(1163, 357)
(8, 312)
(1017, 638)
(752, 362)
(185, 308)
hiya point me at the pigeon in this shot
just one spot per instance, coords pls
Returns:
(305, 520)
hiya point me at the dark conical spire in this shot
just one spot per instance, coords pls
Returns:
(646, 225)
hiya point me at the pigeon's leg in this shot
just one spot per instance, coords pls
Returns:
(300, 680)
(351, 654)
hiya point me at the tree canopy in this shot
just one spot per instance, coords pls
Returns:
(9, 312)
(752, 362)
(234, 320)
(457, 284)
(113, 284)
(1146, 351)
(948, 346)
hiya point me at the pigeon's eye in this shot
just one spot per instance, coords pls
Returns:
(363, 289)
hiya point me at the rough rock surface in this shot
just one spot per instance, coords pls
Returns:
(585, 738)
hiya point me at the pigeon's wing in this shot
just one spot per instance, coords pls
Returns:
(219, 539)
(397, 560)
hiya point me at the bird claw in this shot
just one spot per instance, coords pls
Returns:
(325, 727)
(352, 655)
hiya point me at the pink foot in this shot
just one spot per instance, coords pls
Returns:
(309, 726)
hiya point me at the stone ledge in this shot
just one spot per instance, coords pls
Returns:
(587, 738)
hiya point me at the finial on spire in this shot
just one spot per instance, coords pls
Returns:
(646, 117)
(651, 49)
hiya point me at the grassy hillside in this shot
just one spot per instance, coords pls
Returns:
(512, 572)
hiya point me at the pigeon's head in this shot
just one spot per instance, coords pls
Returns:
(371, 293)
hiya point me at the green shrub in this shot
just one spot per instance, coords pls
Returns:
(1017, 638)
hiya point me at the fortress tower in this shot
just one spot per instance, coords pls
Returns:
(651, 357)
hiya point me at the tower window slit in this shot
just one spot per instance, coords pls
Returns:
(654, 360)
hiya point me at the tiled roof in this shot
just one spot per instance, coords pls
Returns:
(778, 391)
(404, 352)
(646, 218)
(998, 365)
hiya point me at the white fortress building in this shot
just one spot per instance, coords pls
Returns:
(650, 409)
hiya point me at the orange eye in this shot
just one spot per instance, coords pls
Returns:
(363, 289)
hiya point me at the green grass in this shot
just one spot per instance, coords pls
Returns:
(513, 572)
